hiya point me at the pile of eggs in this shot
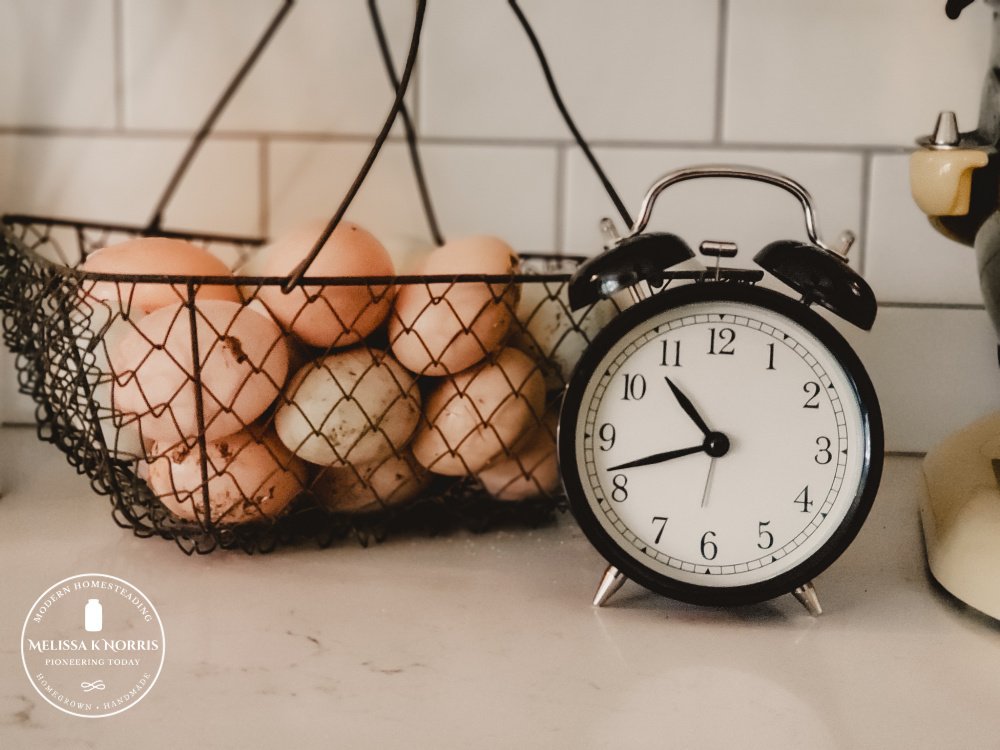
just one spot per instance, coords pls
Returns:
(356, 393)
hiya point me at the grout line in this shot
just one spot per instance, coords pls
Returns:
(866, 194)
(931, 306)
(118, 57)
(321, 137)
(264, 187)
(720, 72)
(560, 200)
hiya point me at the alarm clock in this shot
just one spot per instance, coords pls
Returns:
(720, 443)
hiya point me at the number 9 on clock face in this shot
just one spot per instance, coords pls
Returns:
(720, 443)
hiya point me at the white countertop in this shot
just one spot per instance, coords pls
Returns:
(490, 641)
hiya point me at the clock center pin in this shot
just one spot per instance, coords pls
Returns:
(716, 444)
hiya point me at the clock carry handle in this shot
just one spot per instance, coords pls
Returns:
(815, 270)
(754, 174)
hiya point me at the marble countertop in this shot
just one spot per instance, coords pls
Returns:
(490, 641)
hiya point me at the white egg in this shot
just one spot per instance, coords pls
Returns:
(100, 326)
(352, 407)
(553, 334)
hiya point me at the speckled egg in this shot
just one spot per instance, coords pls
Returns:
(249, 479)
(356, 406)
(476, 416)
(243, 360)
(444, 328)
(371, 487)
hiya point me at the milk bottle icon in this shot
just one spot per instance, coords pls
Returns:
(93, 616)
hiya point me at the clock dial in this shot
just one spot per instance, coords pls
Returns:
(720, 443)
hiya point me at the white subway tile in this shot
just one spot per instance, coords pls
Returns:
(321, 71)
(120, 179)
(906, 260)
(640, 69)
(935, 370)
(749, 214)
(504, 190)
(57, 63)
(221, 192)
(852, 71)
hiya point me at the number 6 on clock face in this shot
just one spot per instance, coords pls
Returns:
(720, 443)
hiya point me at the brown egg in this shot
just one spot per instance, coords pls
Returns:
(531, 470)
(325, 316)
(244, 362)
(371, 487)
(443, 328)
(477, 415)
(249, 479)
(154, 255)
(355, 406)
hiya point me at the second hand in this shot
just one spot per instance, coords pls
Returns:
(708, 482)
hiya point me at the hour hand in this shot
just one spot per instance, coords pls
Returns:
(688, 407)
(657, 458)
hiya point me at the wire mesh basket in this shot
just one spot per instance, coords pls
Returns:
(238, 410)
(206, 416)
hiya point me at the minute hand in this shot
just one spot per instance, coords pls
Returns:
(688, 407)
(659, 457)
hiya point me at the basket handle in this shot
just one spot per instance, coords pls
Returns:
(398, 106)
(296, 275)
(737, 172)
(153, 226)
(408, 127)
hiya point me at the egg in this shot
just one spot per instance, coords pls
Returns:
(354, 406)
(252, 265)
(556, 336)
(244, 362)
(373, 486)
(530, 471)
(408, 252)
(121, 434)
(99, 328)
(476, 416)
(444, 328)
(329, 316)
(250, 478)
(154, 255)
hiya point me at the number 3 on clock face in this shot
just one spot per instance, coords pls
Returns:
(720, 444)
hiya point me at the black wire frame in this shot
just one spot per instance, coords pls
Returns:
(115, 479)
(398, 109)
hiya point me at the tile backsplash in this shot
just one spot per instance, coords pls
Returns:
(101, 95)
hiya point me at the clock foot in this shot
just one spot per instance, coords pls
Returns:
(806, 594)
(611, 581)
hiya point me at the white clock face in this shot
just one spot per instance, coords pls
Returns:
(720, 443)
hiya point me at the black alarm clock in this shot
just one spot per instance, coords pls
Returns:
(720, 443)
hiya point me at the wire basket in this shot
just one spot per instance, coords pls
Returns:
(205, 431)
(208, 414)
